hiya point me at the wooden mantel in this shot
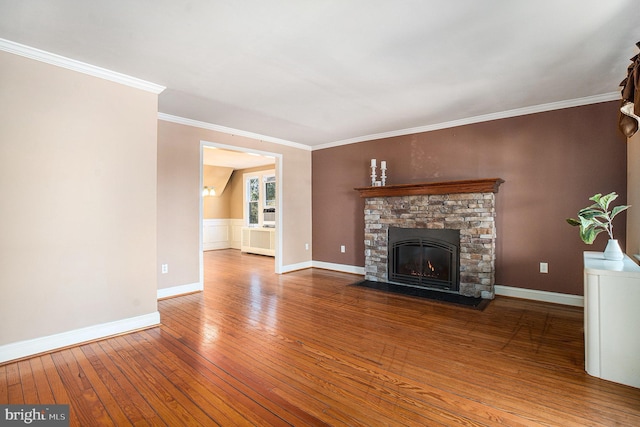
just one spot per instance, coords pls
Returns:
(487, 185)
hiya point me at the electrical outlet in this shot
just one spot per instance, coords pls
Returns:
(343, 249)
(544, 267)
(306, 246)
(165, 268)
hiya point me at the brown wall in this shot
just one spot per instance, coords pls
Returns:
(78, 209)
(551, 162)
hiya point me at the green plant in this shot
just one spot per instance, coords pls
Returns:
(597, 218)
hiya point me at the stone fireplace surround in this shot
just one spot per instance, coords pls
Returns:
(468, 206)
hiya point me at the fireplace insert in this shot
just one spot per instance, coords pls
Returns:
(424, 258)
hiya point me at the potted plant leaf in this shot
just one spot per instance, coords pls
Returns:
(597, 218)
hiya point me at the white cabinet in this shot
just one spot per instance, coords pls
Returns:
(259, 240)
(612, 318)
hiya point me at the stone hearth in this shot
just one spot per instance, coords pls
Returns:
(468, 206)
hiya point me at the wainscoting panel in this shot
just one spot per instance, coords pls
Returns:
(221, 234)
(236, 232)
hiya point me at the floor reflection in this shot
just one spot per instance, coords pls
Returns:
(263, 308)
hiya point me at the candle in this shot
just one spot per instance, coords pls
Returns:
(373, 163)
(383, 164)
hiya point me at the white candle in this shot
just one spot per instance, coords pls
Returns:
(373, 163)
(383, 164)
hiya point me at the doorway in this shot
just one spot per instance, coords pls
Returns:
(237, 158)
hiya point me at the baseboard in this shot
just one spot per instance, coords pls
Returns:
(299, 266)
(179, 290)
(339, 267)
(215, 246)
(532, 294)
(35, 346)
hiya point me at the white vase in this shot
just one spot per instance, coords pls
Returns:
(613, 251)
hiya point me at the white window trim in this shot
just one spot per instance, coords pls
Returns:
(264, 188)
(261, 201)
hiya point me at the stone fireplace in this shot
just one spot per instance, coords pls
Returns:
(465, 208)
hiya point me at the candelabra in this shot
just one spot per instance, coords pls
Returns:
(373, 172)
(383, 167)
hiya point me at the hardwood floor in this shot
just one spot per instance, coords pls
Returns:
(305, 348)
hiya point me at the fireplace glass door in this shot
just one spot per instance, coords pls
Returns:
(424, 258)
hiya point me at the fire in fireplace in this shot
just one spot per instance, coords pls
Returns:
(425, 258)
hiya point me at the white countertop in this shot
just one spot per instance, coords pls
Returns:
(594, 262)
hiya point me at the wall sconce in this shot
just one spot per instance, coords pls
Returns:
(208, 191)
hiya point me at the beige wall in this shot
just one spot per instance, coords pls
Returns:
(78, 210)
(235, 189)
(216, 207)
(179, 198)
(633, 195)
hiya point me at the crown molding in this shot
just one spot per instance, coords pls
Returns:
(204, 125)
(578, 102)
(81, 67)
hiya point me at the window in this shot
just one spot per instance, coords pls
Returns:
(253, 200)
(259, 194)
(270, 191)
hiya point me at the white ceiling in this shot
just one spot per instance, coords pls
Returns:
(326, 72)
(234, 159)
